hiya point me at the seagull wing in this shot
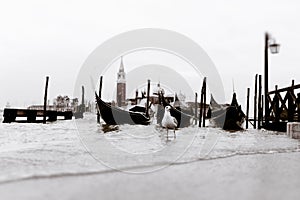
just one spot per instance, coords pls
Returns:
(175, 121)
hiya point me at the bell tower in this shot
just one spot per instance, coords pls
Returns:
(121, 85)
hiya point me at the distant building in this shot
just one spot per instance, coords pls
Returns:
(153, 98)
(60, 103)
(41, 107)
(121, 85)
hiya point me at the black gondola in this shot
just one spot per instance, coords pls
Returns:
(229, 117)
(182, 118)
(116, 116)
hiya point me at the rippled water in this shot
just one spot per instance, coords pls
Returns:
(81, 146)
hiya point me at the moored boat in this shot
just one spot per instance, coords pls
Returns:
(229, 117)
(116, 116)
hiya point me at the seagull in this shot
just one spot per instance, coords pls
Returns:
(168, 121)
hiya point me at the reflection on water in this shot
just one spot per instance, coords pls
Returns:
(109, 128)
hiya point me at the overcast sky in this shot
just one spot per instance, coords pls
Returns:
(39, 38)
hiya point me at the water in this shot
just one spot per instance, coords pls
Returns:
(65, 148)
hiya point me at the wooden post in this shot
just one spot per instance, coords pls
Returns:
(262, 111)
(259, 103)
(204, 101)
(201, 108)
(298, 106)
(255, 102)
(82, 100)
(196, 108)
(291, 106)
(247, 110)
(100, 86)
(45, 100)
(136, 96)
(100, 92)
(148, 98)
(82, 95)
(276, 105)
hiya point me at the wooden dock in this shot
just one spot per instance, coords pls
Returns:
(41, 114)
(11, 115)
(283, 106)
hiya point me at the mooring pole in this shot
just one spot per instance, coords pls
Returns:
(247, 110)
(196, 108)
(255, 102)
(82, 95)
(291, 105)
(259, 103)
(100, 92)
(201, 108)
(82, 100)
(136, 96)
(204, 101)
(100, 86)
(148, 98)
(45, 100)
(262, 111)
(276, 105)
(298, 106)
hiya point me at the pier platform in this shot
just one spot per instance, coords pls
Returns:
(31, 116)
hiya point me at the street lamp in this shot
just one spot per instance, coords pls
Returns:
(274, 47)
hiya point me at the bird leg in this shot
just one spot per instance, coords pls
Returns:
(167, 134)
(174, 133)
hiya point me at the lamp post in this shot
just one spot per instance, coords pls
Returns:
(274, 47)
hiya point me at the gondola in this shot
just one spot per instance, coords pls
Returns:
(183, 119)
(230, 117)
(116, 116)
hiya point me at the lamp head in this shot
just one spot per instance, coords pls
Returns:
(274, 48)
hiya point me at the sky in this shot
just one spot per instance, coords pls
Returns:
(54, 38)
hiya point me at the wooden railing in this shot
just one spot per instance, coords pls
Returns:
(284, 104)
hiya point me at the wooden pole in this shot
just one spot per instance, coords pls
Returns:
(201, 108)
(247, 110)
(291, 106)
(136, 96)
(196, 108)
(204, 101)
(82, 95)
(276, 105)
(82, 100)
(259, 103)
(298, 106)
(148, 98)
(100, 92)
(100, 86)
(262, 111)
(255, 102)
(45, 100)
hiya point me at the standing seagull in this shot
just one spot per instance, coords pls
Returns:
(168, 121)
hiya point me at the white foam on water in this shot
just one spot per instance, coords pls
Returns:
(55, 149)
